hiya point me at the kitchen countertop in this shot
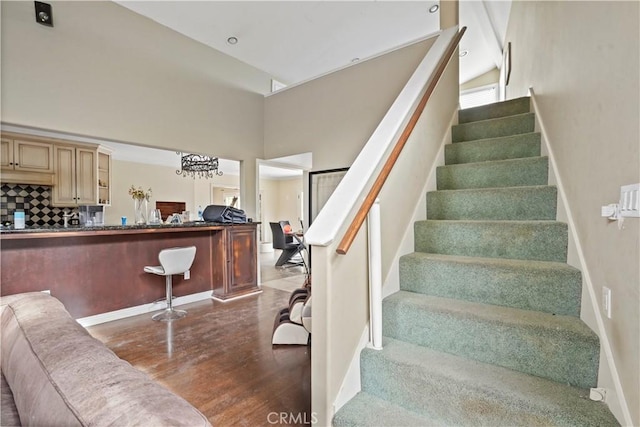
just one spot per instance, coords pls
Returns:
(48, 231)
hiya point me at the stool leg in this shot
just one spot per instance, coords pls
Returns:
(169, 313)
(169, 292)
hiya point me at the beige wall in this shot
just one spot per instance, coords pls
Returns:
(279, 202)
(269, 213)
(165, 185)
(490, 77)
(123, 77)
(333, 116)
(582, 59)
(289, 200)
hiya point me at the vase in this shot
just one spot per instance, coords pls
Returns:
(140, 206)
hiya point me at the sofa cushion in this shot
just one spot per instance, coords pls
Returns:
(61, 375)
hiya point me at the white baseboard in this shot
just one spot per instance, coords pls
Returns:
(140, 309)
(586, 277)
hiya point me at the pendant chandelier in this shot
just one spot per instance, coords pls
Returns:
(198, 165)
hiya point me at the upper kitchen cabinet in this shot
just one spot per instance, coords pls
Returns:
(76, 175)
(26, 161)
(104, 176)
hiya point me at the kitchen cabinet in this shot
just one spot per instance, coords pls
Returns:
(27, 156)
(243, 258)
(75, 169)
(25, 161)
(240, 270)
(104, 176)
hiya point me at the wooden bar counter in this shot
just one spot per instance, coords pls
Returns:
(94, 270)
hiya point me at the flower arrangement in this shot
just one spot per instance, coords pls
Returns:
(139, 193)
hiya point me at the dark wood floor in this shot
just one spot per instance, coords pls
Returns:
(220, 359)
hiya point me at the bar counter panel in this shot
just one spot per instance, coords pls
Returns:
(94, 271)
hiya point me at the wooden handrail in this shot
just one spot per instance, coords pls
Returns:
(358, 220)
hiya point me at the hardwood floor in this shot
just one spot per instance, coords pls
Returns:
(220, 359)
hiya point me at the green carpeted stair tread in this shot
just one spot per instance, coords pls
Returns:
(494, 128)
(559, 348)
(531, 240)
(461, 391)
(550, 287)
(367, 410)
(492, 111)
(503, 203)
(503, 148)
(528, 171)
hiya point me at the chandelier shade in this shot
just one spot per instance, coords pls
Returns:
(198, 165)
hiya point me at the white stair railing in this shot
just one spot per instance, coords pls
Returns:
(375, 275)
(340, 275)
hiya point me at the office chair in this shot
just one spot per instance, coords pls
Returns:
(289, 245)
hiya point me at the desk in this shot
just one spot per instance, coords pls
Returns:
(95, 270)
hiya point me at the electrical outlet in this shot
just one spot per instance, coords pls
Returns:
(606, 301)
(187, 275)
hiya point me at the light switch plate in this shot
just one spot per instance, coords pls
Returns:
(606, 301)
(630, 200)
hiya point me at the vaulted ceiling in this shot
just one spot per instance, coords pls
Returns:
(295, 41)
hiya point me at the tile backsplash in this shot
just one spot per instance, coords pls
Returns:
(34, 200)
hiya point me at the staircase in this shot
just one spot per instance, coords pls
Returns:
(485, 329)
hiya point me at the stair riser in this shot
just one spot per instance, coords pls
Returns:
(524, 287)
(542, 241)
(494, 128)
(492, 111)
(508, 173)
(496, 204)
(366, 410)
(512, 147)
(547, 353)
(407, 386)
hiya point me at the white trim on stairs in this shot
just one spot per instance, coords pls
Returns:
(586, 277)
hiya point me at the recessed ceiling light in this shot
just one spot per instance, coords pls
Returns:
(434, 8)
(232, 40)
(463, 53)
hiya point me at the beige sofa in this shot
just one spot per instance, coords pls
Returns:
(55, 374)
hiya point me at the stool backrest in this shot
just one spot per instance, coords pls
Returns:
(177, 260)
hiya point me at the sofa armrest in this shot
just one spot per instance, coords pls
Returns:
(61, 375)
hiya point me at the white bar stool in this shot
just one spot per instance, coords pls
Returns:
(172, 261)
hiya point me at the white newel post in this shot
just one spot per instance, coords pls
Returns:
(375, 275)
